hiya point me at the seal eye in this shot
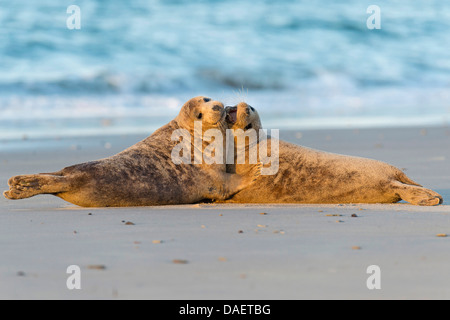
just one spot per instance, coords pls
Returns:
(248, 127)
(253, 109)
(206, 99)
(199, 116)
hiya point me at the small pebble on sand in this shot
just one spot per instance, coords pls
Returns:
(179, 261)
(96, 267)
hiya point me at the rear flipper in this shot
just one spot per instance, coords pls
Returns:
(416, 195)
(26, 186)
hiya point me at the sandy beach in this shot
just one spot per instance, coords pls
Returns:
(212, 251)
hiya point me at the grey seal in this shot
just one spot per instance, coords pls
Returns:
(144, 174)
(311, 176)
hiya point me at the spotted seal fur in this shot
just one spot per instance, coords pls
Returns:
(144, 174)
(310, 176)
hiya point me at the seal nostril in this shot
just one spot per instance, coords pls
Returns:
(217, 108)
(253, 109)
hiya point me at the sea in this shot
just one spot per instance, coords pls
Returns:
(97, 67)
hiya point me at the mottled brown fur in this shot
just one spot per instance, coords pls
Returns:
(143, 174)
(310, 176)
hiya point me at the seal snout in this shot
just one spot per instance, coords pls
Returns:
(217, 108)
(244, 108)
(231, 114)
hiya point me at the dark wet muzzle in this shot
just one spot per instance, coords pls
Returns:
(231, 114)
(217, 108)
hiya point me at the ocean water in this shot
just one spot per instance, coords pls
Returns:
(302, 64)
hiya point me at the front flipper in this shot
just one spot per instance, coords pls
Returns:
(227, 184)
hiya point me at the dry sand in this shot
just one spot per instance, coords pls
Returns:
(230, 251)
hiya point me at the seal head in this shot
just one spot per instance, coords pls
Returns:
(211, 113)
(243, 116)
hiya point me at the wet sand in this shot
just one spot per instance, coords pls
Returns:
(222, 251)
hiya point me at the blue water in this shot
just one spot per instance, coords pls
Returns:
(302, 64)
